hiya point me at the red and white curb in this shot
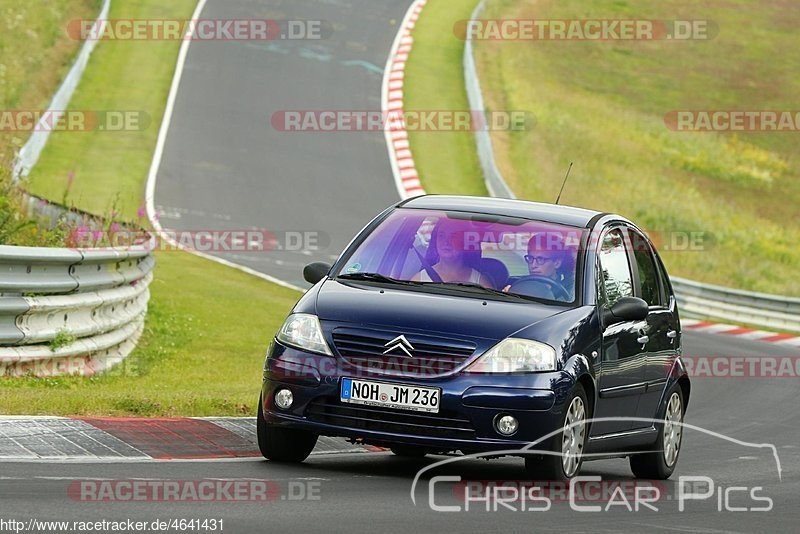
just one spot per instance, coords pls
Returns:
(402, 161)
(119, 439)
(740, 332)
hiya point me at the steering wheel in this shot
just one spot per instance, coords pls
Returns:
(524, 282)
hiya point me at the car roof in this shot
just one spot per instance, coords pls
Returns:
(567, 215)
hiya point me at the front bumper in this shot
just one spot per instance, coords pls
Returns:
(469, 404)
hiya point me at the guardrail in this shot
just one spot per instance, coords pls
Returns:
(706, 301)
(70, 311)
(697, 300)
(495, 183)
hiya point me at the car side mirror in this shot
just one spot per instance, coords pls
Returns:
(626, 309)
(314, 272)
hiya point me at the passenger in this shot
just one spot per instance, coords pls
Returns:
(448, 257)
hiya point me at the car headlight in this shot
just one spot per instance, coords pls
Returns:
(513, 355)
(302, 331)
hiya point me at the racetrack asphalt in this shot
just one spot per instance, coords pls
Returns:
(225, 167)
(345, 491)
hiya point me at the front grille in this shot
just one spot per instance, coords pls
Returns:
(430, 356)
(441, 425)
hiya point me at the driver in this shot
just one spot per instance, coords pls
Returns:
(450, 260)
(548, 257)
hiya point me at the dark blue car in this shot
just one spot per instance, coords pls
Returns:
(474, 324)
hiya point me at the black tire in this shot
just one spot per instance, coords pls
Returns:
(408, 451)
(654, 464)
(551, 466)
(283, 444)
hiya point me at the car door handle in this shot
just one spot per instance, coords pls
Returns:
(672, 334)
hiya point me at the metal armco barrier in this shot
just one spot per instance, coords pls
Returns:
(495, 183)
(70, 311)
(705, 301)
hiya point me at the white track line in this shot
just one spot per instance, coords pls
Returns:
(50, 432)
(156, 163)
(148, 459)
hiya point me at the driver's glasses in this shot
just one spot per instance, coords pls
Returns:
(538, 260)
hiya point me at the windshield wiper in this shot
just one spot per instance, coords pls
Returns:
(473, 285)
(375, 277)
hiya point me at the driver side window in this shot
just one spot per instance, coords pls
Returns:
(617, 281)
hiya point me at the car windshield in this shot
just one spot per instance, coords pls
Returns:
(470, 252)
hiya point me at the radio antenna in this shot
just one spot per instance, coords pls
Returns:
(564, 182)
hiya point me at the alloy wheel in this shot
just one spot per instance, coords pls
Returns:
(673, 430)
(573, 437)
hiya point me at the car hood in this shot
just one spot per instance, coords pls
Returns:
(409, 310)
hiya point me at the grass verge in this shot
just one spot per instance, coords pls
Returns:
(110, 167)
(205, 337)
(447, 161)
(35, 55)
(208, 326)
(602, 105)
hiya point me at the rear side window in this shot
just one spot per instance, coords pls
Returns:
(663, 278)
(649, 287)
(615, 269)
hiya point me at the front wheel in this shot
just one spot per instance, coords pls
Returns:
(282, 444)
(659, 462)
(566, 455)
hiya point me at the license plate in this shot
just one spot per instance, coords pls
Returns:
(400, 396)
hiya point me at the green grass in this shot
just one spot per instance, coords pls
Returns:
(435, 81)
(208, 326)
(602, 105)
(35, 55)
(111, 166)
(17, 226)
(206, 334)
